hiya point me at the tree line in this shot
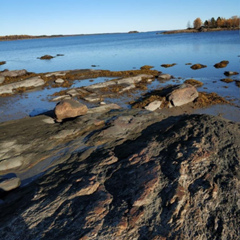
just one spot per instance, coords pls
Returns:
(233, 22)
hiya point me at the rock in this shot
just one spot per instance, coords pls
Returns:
(183, 94)
(32, 82)
(168, 65)
(133, 80)
(2, 79)
(61, 98)
(153, 105)
(152, 178)
(15, 162)
(229, 73)
(198, 66)
(104, 108)
(221, 64)
(14, 73)
(73, 93)
(227, 80)
(59, 81)
(69, 108)
(10, 184)
(164, 76)
(2, 62)
(57, 74)
(46, 57)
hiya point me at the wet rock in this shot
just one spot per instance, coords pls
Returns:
(198, 66)
(69, 108)
(46, 57)
(14, 73)
(2, 62)
(183, 94)
(229, 73)
(59, 81)
(164, 76)
(153, 105)
(10, 184)
(32, 82)
(221, 64)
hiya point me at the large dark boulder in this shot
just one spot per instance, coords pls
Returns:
(127, 174)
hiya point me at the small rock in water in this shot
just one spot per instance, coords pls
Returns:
(164, 76)
(221, 64)
(59, 81)
(198, 66)
(69, 108)
(46, 57)
(229, 73)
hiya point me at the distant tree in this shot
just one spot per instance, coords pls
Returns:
(189, 25)
(197, 23)
(213, 22)
(206, 24)
(235, 21)
(219, 22)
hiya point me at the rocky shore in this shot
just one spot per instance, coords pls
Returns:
(155, 171)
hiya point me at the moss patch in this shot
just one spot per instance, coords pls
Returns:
(207, 99)
(194, 82)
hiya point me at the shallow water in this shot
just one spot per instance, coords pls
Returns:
(121, 52)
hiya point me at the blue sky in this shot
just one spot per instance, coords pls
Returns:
(37, 17)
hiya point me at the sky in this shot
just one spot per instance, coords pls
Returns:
(50, 17)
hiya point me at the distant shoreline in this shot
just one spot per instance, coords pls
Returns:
(25, 37)
(192, 30)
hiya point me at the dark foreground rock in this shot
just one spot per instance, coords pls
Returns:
(124, 174)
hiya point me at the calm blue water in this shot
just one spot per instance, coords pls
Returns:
(126, 51)
(123, 52)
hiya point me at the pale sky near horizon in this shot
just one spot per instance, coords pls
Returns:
(49, 17)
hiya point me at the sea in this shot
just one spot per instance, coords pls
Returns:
(122, 51)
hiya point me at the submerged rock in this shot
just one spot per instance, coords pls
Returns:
(69, 108)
